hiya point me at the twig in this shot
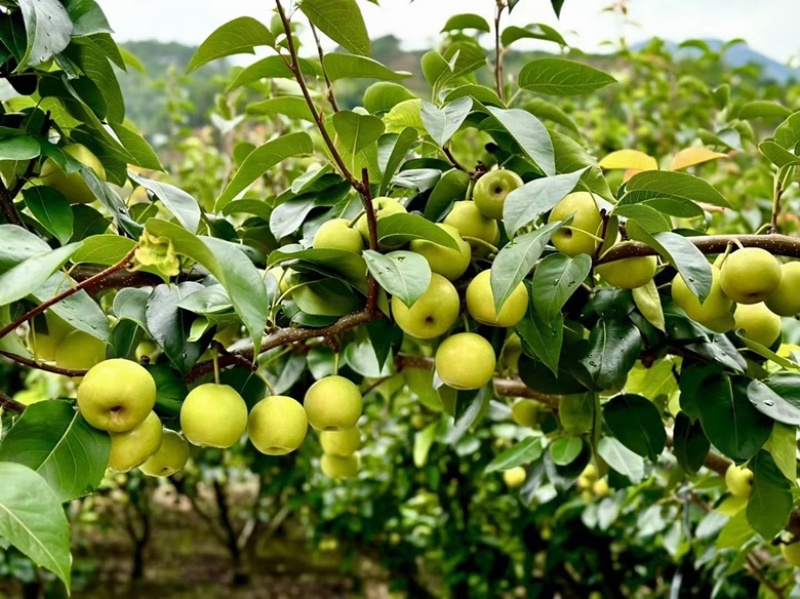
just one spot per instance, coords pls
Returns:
(454, 162)
(238, 360)
(498, 50)
(7, 205)
(331, 97)
(372, 226)
(42, 365)
(776, 206)
(10, 405)
(73, 290)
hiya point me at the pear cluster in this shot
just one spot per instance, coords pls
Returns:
(750, 292)
(591, 484)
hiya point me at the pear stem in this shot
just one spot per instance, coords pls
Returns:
(215, 357)
(481, 242)
(336, 363)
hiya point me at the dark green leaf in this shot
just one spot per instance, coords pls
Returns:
(559, 77)
(466, 21)
(349, 66)
(556, 278)
(783, 408)
(340, 20)
(183, 206)
(649, 185)
(19, 148)
(356, 132)
(530, 134)
(614, 347)
(540, 378)
(384, 95)
(770, 501)
(406, 275)
(688, 260)
(537, 31)
(169, 328)
(400, 228)
(525, 204)
(239, 36)
(87, 18)
(636, 422)
(545, 110)
(51, 209)
(690, 444)
(293, 107)
(621, 459)
(48, 29)
(451, 187)
(565, 450)
(392, 151)
(571, 156)
(526, 451)
(544, 338)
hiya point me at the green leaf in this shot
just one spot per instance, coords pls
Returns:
(621, 459)
(736, 533)
(356, 132)
(79, 310)
(32, 519)
(103, 249)
(392, 151)
(690, 262)
(441, 124)
(51, 209)
(293, 107)
(544, 110)
(537, 31)
(571, 156)
(466, 21)
(526, 451)
(557, 6)
(777, 407)
(675, 185)
(271, 67)
(636, 422)
(87, 17)
(92, 59)
(776, 154)
(782, 446)
(231, 267)
(397, 229)
(729, 420)
(556, 278)
(140, 152)
(48, 29)
(530, 134)
(166, 325)
(423, 441)
(53, 439)
(384, 95)
(479, 93)
(183, 206)
(559, 77)
(763, 109)
(340, 20)
(406, 275)
(648, 301)
(238, 36)
(787, 134)
(647, 217)
(614, 347)
(349, 66)
(515, 261)
(452, 186)
(543, 337)
(690, 444)
(19, 148)
(770, 501)
(565, 450)
(260, 160)
(346, 263)
(27, 276)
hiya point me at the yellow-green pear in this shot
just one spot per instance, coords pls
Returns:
(133, 448)
(79, 351)
(628, 273)
(147, 349)
(337, 234)
(525, 412)
(739, 480)
(750, 275)
(492, 189)
(116, 395)
(170, 458)
(213, 416)
(758, 322)
(470, 223)
(514, 477)
(72, 186)
(384, 206)
(432, 314)
(785, 300)
(511, 353)
(44, 343)
(342, 443)
(334, 466)
(791, 553)
(277, 425)
(580, 235)
(333, 404)
(600, 488)
(465, 361)
(715, 306)
(449, 263)
(480, 303)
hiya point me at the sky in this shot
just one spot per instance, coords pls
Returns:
(769, 26)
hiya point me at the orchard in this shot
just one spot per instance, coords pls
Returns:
(513, 324)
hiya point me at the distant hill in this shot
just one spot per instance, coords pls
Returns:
(737, 55)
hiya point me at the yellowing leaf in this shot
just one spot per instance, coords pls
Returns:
(692, 156)
(649, 304)
(629, 159)
(731, 506)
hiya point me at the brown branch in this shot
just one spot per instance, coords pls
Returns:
(756, 570)
(119, 279)
(294, 66)
(456, 163)
(7, 205)
(42, 365)
(237, 359)
(372, 226)
(71, 291)
(780, 245)
(10, 405)
(776, 206)
(498, 51)
(331, 97)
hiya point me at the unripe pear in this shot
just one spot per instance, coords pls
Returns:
(449, 263)
(515, 477)
(170, 458)
(739, 480)
(277, 425)
(492, 189)
(465, 361)
(334, 466)
(73, 186)
(383, 206)
(750, 275)
(469, 222)
(433, 313)
(715, 306)
(760, 324)
(337, 234)
(342, 443)
(525, 412)
(333, 404)
(600, 488)
(579, 237)
(480, 303)
(116, 395)
(628, 273)
(213, 416)
(785, 300)
(133, 448)
(79, 351)
(791, 553)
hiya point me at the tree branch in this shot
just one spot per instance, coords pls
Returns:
(780, 245)
(73, 290)
(331, 97)
(42, 365)
(10, 405)
(7, 205)
(498, 51)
